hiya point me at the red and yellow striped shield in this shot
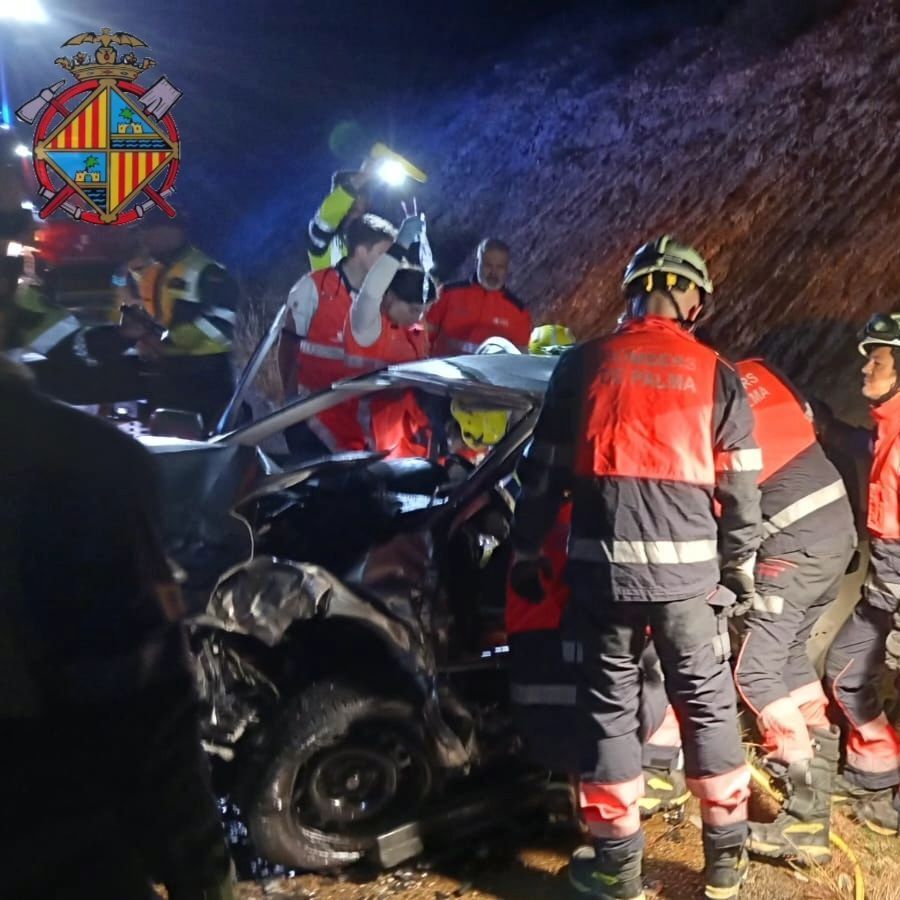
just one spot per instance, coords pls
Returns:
(108, 149)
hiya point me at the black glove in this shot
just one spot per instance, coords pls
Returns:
(738, 578)
(525, 577)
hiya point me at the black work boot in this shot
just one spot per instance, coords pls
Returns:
(802, 829)
(608, 873)
(726, 864)
(665, 791)
(879, 812)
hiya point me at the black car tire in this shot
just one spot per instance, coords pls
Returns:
(326, 732)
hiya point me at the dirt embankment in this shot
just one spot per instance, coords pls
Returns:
(777, 157)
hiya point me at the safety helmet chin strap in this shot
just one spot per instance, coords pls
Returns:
(879, 401)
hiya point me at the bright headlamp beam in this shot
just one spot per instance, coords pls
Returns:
(391, 172)
(22, 150)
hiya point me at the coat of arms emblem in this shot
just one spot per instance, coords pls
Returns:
(106, 150)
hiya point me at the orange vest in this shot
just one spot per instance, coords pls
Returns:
(320, 354)
(650, 411)
(394, 345)
(781, 427)
(884, 481)
(467, 314)
(400, 426)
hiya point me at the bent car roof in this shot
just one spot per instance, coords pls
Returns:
(511, 371)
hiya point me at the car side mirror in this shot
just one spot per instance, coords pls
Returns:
(180, 423)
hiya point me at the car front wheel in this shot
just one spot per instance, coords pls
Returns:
(345, 767)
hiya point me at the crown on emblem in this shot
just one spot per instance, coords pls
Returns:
(105, 62)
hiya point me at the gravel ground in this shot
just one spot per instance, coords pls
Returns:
(534, 868)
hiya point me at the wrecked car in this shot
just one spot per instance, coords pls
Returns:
(349, 617)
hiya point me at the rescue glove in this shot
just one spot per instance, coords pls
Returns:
(526, 577)
(892, 646)
(410, 232)
(738, 578)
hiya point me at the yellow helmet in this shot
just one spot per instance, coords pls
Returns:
(480, 428)
(550, 340)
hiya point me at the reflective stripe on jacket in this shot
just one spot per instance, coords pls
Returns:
(804, 500)
(645, 427)
(320, 353)
(39, 324)
(394, 345)
(171, 293)
(466, 314)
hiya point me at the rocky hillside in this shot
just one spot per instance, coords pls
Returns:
(779, 162)
(769, 140)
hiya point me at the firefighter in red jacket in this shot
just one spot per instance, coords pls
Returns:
(469, 312)
(808, 539)
(871, 636)
(542, 684)
(311, 354)
(647, 427)
(384, 327)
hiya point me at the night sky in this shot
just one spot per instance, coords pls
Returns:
(278, 94)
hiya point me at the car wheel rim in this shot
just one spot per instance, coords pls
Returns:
(352, 784)
(359, 784)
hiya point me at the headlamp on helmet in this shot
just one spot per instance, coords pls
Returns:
(883, 329)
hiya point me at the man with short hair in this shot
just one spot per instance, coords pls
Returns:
(311, 354)
(469, 312)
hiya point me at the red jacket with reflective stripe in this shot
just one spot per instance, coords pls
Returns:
(320, 354)
(467, 314)
(394, 345)
(882, 588)
(379, 420)
(645, 427)
(804, 501)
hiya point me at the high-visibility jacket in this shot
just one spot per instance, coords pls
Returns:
(194, 298)
(320, 352)
(645, 426)
(882, 588)
(38, 324)
(321, 357)
(466, 314)
(394, 345)
(803, 497)
(386, 426)
(325, 247)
